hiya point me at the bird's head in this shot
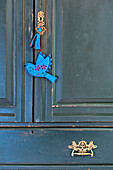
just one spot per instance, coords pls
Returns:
(30, 67)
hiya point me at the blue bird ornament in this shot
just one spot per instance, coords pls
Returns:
(43, 64)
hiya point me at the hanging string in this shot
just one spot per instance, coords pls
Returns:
(40, 43)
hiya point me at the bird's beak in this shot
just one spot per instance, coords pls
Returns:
(24, 65)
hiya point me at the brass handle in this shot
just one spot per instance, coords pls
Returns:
(82, 148)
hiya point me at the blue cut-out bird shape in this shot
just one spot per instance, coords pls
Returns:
(43, 64)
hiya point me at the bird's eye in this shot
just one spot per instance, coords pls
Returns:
(29, 67)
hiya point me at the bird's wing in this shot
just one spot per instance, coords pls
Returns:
(46, 63)
(40, 58)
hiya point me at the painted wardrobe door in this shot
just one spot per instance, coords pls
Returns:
(82, 51)
(15, 35)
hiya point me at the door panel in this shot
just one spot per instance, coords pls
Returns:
(7, 62)
(82, 59)
(86, 55)
(16, 25)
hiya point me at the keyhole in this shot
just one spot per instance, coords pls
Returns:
(32, 132)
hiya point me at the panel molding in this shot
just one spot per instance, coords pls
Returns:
(65, 109)
(16, 105)
(51, 103)
(8, 57)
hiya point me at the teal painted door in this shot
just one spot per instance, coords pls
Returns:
(79, 35)
(38, 119)
(16, 86)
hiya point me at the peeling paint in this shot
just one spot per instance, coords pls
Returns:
(31, 34)
(29, 28)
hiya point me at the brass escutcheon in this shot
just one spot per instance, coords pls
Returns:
(40, 23)
(82, 148)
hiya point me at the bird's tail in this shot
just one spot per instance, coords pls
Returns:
(50, 77)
